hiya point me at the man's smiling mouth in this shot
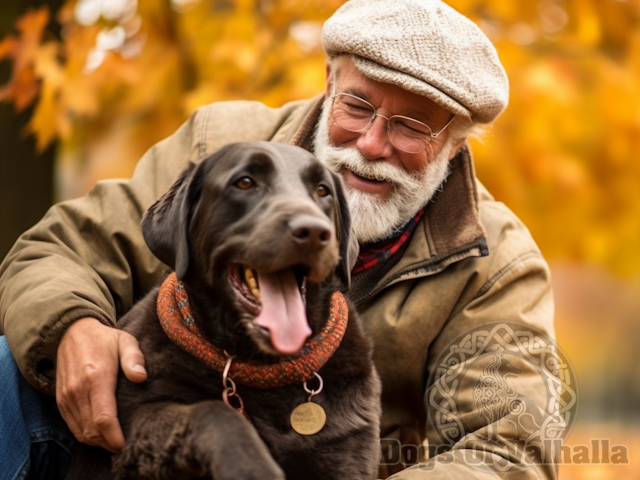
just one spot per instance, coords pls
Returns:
(366, 183)
(368, 179)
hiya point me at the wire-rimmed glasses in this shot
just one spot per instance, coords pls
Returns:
(406, 134)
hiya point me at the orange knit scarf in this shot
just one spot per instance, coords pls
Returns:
(177, 321)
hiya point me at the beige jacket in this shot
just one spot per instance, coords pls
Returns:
(470, 261)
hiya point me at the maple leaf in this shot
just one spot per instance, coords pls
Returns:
(562, 156)
(22, 88)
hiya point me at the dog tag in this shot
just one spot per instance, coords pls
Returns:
(308, 418)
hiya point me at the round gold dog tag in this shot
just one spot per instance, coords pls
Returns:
(308, 418)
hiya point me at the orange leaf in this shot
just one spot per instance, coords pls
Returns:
(32, 23)
(8, 47)
(22, 87)
(25, 88)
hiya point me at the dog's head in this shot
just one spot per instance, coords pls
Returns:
(253, 226)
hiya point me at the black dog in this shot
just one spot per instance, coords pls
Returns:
(258, 235)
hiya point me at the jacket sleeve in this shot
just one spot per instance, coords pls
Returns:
(86, 257)
(488, 420)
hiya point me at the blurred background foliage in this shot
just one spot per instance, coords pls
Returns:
(121, 75)
(105, 79)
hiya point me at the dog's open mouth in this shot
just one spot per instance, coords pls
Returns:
(275, 300)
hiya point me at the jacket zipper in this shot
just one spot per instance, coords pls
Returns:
(430, 267)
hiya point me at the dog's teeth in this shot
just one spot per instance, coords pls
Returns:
(252, 282)
(248, 274)
(256, 292)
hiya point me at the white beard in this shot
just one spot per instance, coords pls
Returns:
(373, 217)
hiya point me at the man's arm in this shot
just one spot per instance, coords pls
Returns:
(489, 407)
(68, 279)
(85, 258)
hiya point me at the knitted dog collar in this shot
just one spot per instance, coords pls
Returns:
(177, 321)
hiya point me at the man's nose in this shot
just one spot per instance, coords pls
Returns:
(374, 142)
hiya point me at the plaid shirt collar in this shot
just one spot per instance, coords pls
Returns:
(372, 254)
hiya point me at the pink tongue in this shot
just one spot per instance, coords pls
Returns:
(282, 311)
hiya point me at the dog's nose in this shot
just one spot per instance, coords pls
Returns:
(310, 231)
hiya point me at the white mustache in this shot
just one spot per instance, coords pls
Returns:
(353, 160)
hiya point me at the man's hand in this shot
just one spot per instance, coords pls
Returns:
(88, 359)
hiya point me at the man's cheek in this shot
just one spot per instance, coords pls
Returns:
(339, 137)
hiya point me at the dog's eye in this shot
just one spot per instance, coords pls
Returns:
(245, 183)
(322, 191)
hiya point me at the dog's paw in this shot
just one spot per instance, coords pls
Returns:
(238, 452)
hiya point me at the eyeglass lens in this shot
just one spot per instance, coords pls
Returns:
(354, 114)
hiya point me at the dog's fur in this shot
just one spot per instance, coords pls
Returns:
(175, 423)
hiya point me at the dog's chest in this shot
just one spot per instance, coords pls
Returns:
(349, 399)
(347, 413)
(176, 374)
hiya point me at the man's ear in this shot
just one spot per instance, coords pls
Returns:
(456, 148)
(165, 225)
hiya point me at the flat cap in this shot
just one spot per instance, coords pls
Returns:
(425, 47)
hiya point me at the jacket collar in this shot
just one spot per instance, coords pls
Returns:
(450, 230)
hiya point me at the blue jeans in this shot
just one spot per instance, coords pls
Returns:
(35, 443)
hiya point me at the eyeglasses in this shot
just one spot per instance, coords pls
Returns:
(406, 134)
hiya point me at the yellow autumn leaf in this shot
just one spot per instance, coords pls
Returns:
(43, 122)
(22, 87)
(563, 156)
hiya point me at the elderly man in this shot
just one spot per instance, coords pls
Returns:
(407, 82)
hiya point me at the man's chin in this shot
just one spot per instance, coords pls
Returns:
(373, 217)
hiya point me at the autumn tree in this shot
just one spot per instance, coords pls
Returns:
(125, 74)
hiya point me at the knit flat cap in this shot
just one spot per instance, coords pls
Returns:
(425, 47)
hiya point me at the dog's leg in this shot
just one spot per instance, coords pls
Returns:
(207, 439)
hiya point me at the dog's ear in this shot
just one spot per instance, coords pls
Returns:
(165, 225)
(349, 247)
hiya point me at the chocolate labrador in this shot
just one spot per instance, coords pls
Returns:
(257, 365)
